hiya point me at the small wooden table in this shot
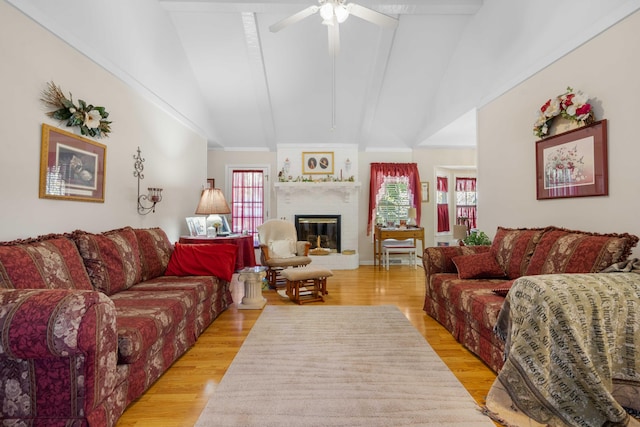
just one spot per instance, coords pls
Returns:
(383, 233)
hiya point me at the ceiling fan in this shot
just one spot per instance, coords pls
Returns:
(333, 13)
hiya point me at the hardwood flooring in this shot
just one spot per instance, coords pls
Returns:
(179, 396)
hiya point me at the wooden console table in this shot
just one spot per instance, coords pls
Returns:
(383, 233)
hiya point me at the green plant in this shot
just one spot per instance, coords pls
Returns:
(477, 238)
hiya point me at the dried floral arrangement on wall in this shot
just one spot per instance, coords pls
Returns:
(91, 119)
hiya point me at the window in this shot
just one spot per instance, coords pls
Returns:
(442, 204)
(395, 186)
(247, 201)
(466, 196)
(393, 200)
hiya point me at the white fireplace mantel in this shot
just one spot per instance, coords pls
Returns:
(287, 189)
(324, 198)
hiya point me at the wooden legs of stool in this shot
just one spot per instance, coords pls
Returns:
(315, 288)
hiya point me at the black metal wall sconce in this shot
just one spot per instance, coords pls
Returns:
(154, 194)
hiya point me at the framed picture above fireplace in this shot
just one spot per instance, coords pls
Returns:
(317, 163)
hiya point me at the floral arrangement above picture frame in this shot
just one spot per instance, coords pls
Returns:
(573, 164)
(571, 105)
(317, 163)
(71, 167)
(92, 120)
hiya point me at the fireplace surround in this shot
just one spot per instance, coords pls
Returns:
(325, 198)
(326, 227)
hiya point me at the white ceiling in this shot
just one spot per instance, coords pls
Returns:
(267, 88)
(215, 65)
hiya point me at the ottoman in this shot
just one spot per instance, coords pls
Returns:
(306, 284)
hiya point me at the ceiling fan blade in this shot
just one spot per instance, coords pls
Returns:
(296, 17)
(334, 38)
(372, 16)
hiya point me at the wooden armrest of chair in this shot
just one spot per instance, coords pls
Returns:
(302, 248)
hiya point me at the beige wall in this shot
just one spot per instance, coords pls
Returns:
(441, 161)
(606, 68)
(175, 156)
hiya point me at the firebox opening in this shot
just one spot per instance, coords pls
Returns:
(325, 227)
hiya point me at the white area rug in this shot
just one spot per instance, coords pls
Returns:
(338, 366)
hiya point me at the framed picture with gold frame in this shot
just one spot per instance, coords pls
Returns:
(424, 187)
(317, 163)
(71, 167)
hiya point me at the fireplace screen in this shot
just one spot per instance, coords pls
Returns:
(319, 229)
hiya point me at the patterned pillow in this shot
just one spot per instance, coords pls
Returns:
(478, 266)
(568, 251)
(48, 262)
(155, 251)
(513, 248)
(112, 259)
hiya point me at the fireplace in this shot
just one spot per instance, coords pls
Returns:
(325, 227)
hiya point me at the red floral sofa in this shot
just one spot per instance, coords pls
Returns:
(466, 285)
(89, 321)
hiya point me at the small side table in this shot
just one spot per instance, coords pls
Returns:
(252, 278)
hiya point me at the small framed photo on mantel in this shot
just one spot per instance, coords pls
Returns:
(316, 163)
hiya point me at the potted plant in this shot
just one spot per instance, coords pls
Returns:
(477, 238)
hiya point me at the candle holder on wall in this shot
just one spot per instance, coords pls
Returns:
(154, 194)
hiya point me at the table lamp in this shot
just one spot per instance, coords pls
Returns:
(412, 217)
(460, 233)
(212, 203)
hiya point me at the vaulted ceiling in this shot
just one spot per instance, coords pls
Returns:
(215, 65)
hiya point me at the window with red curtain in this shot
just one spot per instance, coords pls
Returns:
(380, 171)
(466, 200)
(442, 205)
(247, 201)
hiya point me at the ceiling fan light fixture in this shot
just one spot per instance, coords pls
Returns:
(341, 13)
(326, 11)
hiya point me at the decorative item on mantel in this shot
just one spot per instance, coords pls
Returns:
(570, 105)
(155, 194)
(92, 120)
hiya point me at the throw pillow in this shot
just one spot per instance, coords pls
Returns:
(155, 251)
(513, 248)
(478, 266)
(282, 248)
(48, 262)
(203, 260)
(112, 258)
(568, 251)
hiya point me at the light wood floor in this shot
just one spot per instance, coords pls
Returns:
(179, 396)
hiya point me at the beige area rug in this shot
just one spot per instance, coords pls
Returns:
(339, 366)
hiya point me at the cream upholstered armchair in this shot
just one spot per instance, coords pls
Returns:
(280, 248)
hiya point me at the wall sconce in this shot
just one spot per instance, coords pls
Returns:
(347, 165)
(154, 194)
(287, 165)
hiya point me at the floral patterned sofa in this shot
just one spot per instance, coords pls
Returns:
(466, 285)
(89, 321)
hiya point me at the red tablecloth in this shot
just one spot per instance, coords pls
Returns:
(246, 255)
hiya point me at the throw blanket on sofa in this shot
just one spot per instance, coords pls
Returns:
(573, 350)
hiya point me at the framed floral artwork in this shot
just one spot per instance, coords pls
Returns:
(573, 164)
(71, 167)
(317, 163)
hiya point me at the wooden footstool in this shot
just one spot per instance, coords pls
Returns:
(312, 279)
